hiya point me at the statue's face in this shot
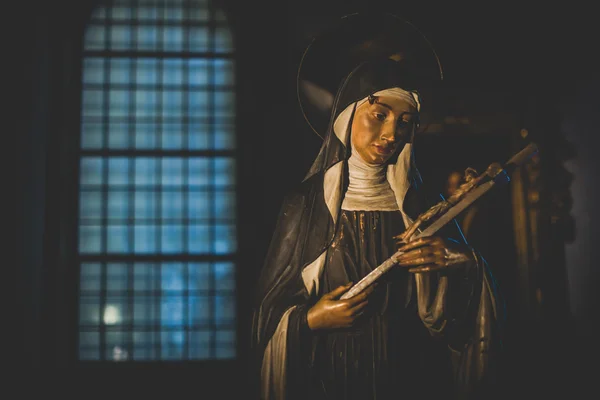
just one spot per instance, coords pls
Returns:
(381, 129)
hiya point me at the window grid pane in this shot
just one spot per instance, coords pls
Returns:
(157, 236)
(134, 300)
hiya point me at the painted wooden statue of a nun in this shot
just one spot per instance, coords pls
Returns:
(426, 329)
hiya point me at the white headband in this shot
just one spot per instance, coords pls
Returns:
(411, 98)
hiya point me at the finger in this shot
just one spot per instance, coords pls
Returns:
(363, 294)
(431, 259)
(370, 288)
(399, 237)
(357, 308)
(439, 256)
(403, 247)
(427, 268)
(357, 299)
(338, 291)
(416, 243)
(420, 252)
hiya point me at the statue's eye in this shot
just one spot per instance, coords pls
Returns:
(402, 124)
(380, 116)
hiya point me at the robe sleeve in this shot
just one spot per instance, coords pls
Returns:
(445, 298)
(281, 339)
(464, 308)
(286, 359)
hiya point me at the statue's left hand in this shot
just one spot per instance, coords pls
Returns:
(434, 254)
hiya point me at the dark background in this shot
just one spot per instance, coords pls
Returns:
(507, 67)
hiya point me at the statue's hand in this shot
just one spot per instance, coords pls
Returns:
(330, 312)
(433, 253)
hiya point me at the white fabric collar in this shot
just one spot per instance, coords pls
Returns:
(368, 188)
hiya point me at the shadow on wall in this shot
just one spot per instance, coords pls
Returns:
(580, 127)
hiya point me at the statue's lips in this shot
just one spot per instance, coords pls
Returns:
(383, 149)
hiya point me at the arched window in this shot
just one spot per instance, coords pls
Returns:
(157, 199)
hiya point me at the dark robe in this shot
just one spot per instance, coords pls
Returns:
(388, 353)
(406, 346)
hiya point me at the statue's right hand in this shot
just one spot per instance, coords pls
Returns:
(330, 312)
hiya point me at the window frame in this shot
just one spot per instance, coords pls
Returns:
(131, 152)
